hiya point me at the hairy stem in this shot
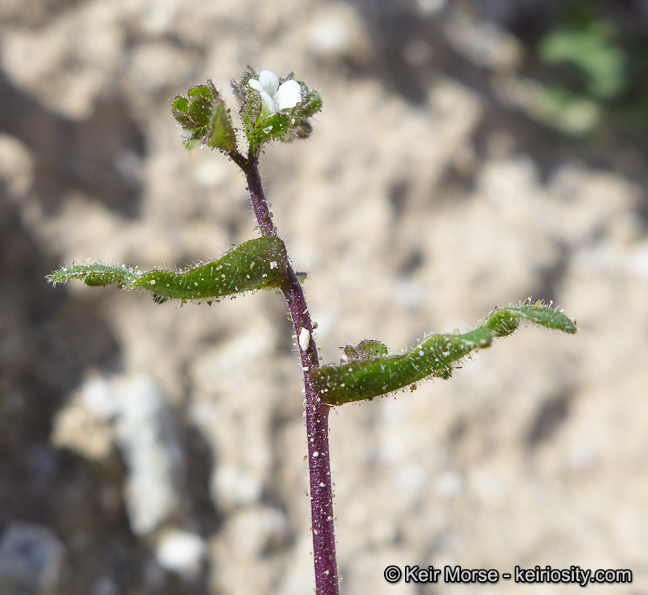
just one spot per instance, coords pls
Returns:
(319, 463)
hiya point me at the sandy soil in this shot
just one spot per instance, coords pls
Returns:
(152, 448)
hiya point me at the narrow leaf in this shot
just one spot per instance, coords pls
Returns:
(94, 274)
(257, 264)
(369, 377)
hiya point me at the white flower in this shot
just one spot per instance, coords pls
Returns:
(275, 97)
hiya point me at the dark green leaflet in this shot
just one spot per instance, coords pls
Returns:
(369, 377)
(205, 118)
(366, 349)
(257, 264)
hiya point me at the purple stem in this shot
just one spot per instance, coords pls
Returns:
(317, 413)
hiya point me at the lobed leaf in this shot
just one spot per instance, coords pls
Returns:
(256, 264)
(204, 118)
(366, 349)
(367, 377)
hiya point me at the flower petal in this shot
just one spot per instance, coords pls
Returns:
(288, 95)
(266, 85)
(269, 104)
(269, 81)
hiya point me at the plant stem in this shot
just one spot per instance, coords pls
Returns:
(317, 413)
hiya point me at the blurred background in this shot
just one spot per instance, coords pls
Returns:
(469, 155)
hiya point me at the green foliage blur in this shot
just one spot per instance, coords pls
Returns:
(593, 72)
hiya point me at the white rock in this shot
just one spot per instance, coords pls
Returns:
(181, 552)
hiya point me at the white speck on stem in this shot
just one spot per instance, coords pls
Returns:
(304, 339)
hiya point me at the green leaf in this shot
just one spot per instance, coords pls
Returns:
(204, 118)
(274, 126)
(208, 91)
(249, 101)
(367, 377)
(180, 107)
(222, 134)
(366, 349)
(95, 274)
(310, 104)
(257, 264)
